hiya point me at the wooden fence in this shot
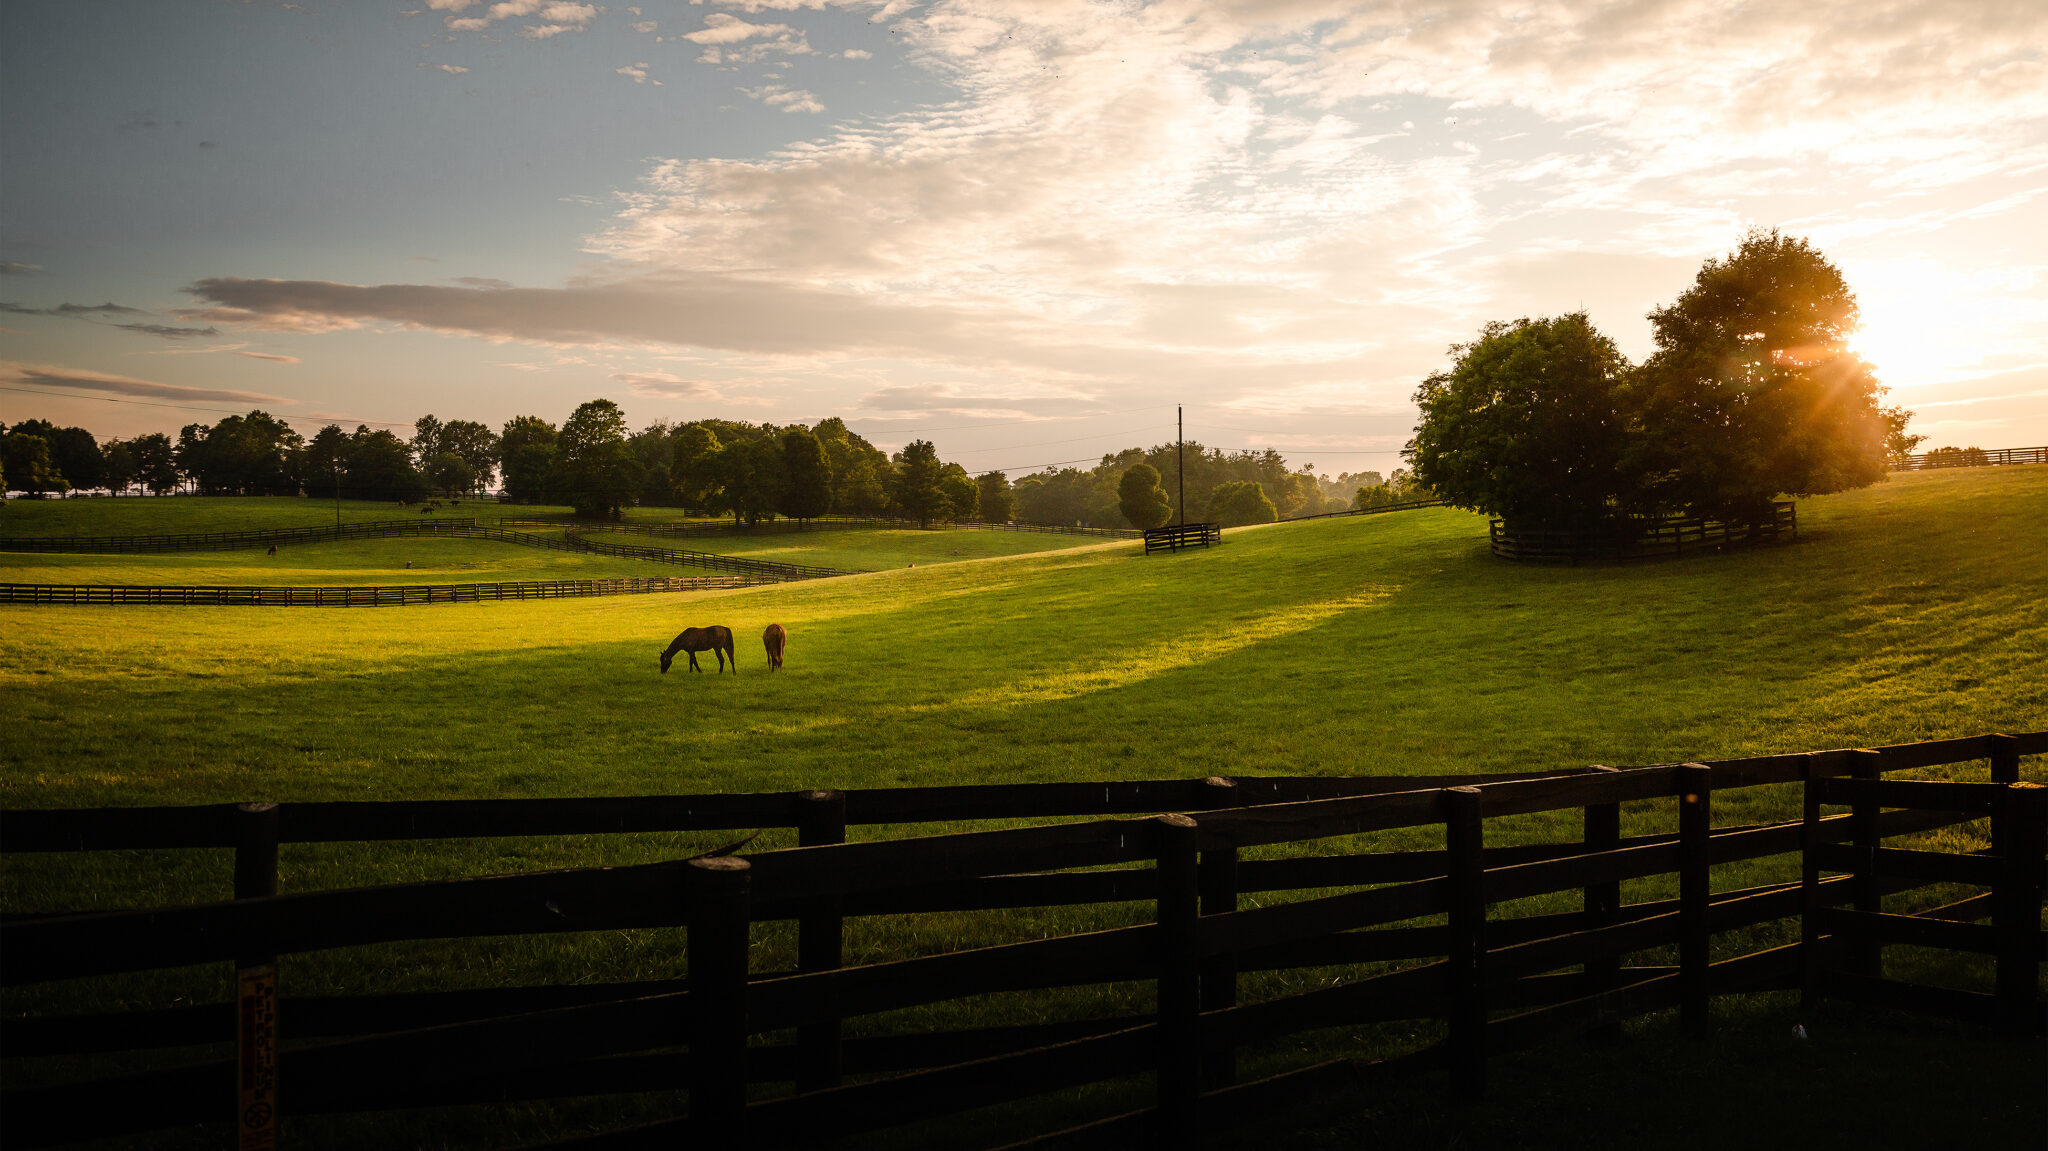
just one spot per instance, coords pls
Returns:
(1174, 537)
(1400, 506)
(1501, 981)
(368, 595)
(754, 571)
(842, 523)
(1640, 538)
(1970, 458)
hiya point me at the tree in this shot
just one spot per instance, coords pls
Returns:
(450, 473)
(1526, 424)
(77, 454)
(379, 467)
(1752, 392)
(694, 469)
(119, 459)
(657, 488)
(996, 503)
(1898, 446)
(595, 468)
(326, 458)
(252, 455)
(917, 492)
(476, 444)
(754, 477)
(155, 462)
(1374, 496)
(1241, 502)
(526, 452)
(963, 495)
(1141, 499)
(808, 491)
(1065, 496)
(426, 441)
(28, 465)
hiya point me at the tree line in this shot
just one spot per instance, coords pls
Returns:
(1751, 393)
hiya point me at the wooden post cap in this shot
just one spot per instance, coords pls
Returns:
(1219, 781)
(1176, 820)
(725, 863)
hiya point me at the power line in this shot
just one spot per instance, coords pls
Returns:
(191, 407)
(1044, 443)
(1007, 423)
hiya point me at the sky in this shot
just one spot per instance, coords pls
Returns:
(1023, 229)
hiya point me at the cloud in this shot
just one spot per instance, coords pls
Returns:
(451, 69)
(51, 376)
(169, 332)
(787, 99)
(637, 73)
(856, 54)
(726, 37)
(74, 311)
(556, 17)
(666, 385)
(271, 356)
(644, 27)
(11, 268)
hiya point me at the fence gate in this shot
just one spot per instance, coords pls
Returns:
(1843, 947)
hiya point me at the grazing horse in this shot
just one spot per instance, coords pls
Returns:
(273, 550)
(773, 639)
(695, 639)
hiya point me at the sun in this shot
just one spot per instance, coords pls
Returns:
(1922, 323)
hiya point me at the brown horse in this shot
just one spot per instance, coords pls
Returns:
(713, 639)
(774, 639)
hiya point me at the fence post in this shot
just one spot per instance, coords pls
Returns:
(1695, 823)
(2016, 911)
(717, 891)
(1464, 844)
(1809, 891)
(1866, 954)
(256, 1103)
(820, 935)
(1179, 938)
(1219, 895)
(2005, 768)
(1602, 900)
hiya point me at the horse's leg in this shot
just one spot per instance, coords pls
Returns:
(693, 662)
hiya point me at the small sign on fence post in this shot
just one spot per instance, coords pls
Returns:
(256, 1059)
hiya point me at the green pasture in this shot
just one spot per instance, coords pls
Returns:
(860, 549)
(1394, 644)
(174, 515)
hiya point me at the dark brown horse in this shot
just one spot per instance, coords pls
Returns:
(695, 639)
(774, 639)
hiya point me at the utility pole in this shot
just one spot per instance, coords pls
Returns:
(1180, 455)
(337, 497)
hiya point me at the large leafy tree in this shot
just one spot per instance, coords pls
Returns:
(1241, 502)
(963, 496)
(1525, 425)
(917, 492)
(997, 503)
(754, 477)
(808, 492)
(1141, 499)
(28, 466)
(694, 469)
(120, 465)
(594, 466)
(156, 463)
(1753, 392)
(450, 474)
(526, 453)
(476, 444)
(252, 455)
(860, 470)
(378, 466)
(326, 459)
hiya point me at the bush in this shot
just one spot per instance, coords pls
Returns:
(1239, 503)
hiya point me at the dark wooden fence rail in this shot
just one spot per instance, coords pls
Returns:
(1639, 538)
(1970, 458)
(230, 541)
(1174, 537)
(831, 523)
(364, 595)
(1500, 980)
(1400, 506)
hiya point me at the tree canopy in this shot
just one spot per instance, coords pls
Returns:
(593, 466)
(1141, 499)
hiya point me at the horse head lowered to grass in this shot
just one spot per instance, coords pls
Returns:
(715, 639)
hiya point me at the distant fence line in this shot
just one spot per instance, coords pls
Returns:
(1401, 506)
(1970, 458)
(368, 595)
(828, 523)
(758, 571)
(1502, 975)
(1639, 539)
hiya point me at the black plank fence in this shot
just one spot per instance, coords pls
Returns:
(363, 595)
(1174, 537)
(1970, 458)
(1641, 538)
(700, 528)
(1500, 981)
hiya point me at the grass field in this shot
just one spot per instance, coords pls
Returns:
(860, 549)
(1395, 644)
(434, 559)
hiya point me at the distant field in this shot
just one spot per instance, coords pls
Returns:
(861, 549)
(434, 560)
(1394, 644)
